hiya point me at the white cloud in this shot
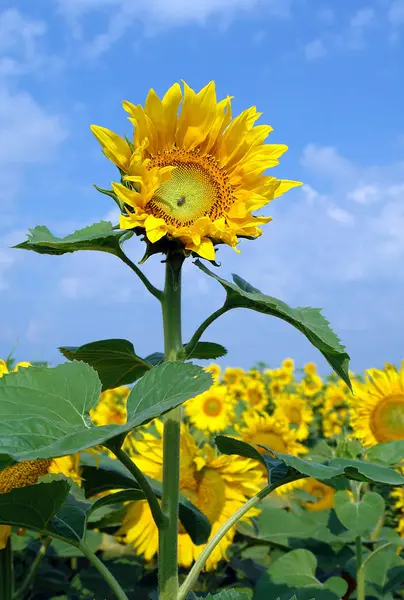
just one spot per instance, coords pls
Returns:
(315, 50)
(364, 194)
(158, 14)
(19, 43)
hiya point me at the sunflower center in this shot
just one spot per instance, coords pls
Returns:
(388, 419)
(269, 439)
(207, 490)
(22, 474)
(254, 397)
(198, 187)
(212, 407)
(294, 415)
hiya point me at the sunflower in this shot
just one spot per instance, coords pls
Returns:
(215, 371)
(218, 486)
(334, 411)
(398, 495)
(28, 472)
(111, 407)
(294, 409)
(377, 407)
(211, 411)
(269, 431)
(195, 174)
(310, 368)
(4, 370)
(255, 394)
(323, 494)
(288, 364)
(311, 385)
(233, 376)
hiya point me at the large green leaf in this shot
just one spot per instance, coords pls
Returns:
(308, 321)
(360, 516)
(99, 236)
(34, 506)
(358, 470)
(231, 594)
(70, 521)
(114, 360)
(56, 404)
(111, 475)
(390, 453)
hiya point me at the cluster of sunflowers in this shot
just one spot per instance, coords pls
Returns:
(283, 409)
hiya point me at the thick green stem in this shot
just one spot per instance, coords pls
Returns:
(6, 572)
(151, 498)
(360, 571)
(106, 574)
(30, 577)
(173, 351)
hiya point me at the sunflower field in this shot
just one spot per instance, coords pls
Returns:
(160, 478)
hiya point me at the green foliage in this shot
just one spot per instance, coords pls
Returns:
(308, 321)
(228, 595)
(358, 470)
(57, 403)
(359, 516)
(100, 236)
(206, 351)
(389, 453)
(114, 360)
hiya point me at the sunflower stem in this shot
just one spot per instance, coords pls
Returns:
(151, 498)
(106, 574)
(200, 562)
(29, 579)
(6, 572)
(173, 351)
(202, 328)
(148, 285)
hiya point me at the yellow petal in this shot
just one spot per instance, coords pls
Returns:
(127, 196)
(115, 148)
(286, 185)
(3, 368)
(5, 532)
(205, 249)
(156, 228)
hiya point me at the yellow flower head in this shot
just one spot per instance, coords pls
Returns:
(111, 407)
(218, 486)
(324, 494)
(334, 411)
(398, 495)
(311, 385)
(4, 369)
(288, 364)
(215, 371)
(193, 174)
(377, 407)
(211, 411)
(310, 368)
(254, 394)
(270, 431)
(296, 411)
(233, 376)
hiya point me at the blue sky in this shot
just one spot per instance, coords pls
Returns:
(328, 77)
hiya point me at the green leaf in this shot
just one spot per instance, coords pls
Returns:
(358, 470)
(297, 567)
(361, 516)
(381, 570)
(337, 585)
(114, 360)
(57, 401)
(111, 475)
(206, 351)
(274, 524)
(308, 321)
(34, 506)
(131, 495)
(70, 521)
(228, 595)
(99, 236)
(93, 541)
(155, 359)
(390, 453)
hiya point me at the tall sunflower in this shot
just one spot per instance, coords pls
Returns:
(218, 486)
(296, 410)
(211, 411)
(191, 172)
(377, 407)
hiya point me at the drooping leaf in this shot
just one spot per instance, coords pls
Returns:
(364, 470)
(98, 236)
(70, 521)
(114, 360)
(155, 359)
(360, 516)
(57, 402)
(206, 351)
(34, 506)
(308, 321)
